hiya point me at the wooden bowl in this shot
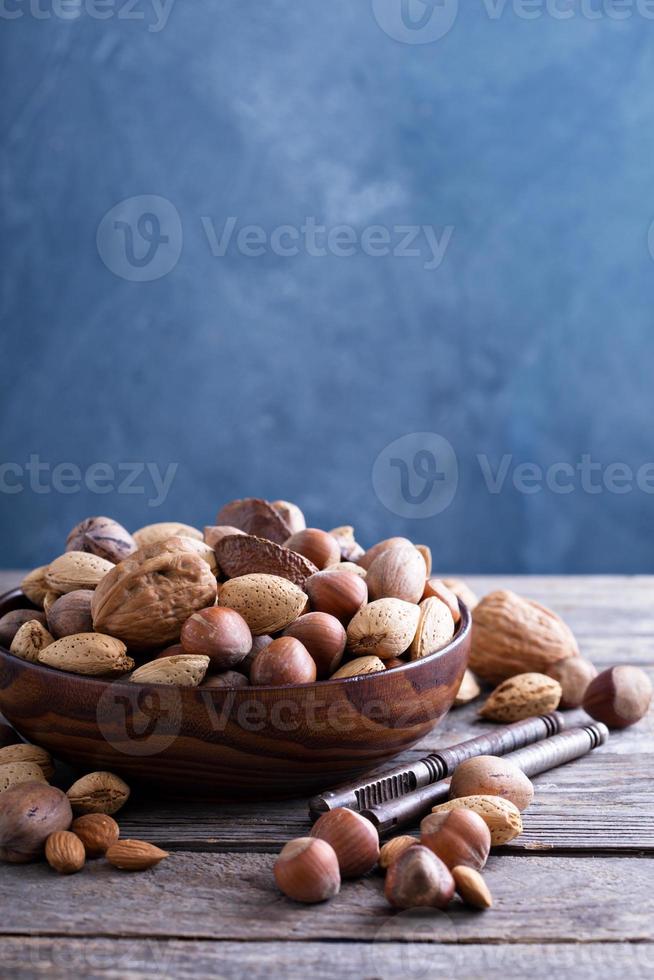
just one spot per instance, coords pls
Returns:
(254, 742)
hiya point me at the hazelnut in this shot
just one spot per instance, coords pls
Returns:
(341, 594)
(97, 832)
(71, 613)
(457, 837)
(258, 643)
(418, 879)
(29, 813)
(488, 775)
(228, 679)
(103, 537)
(324, 637)
(354, 839)
(574, 674)
(284, 661)
(219, 633)
(12, 621)
(436, 588)
(307, 870)
(318, 546)
(619, 696)
(391, 850)
(175, 650)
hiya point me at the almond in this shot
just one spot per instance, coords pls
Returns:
(76, 570)
(362, 665)
(435, 628)
(267, 603)
(245, 554)
(30, 640)
(97, 832)
(471, 887)
(183, 670)
(134, 855)
(13, 773)
(64, 852)
(255, 516)
(90, 654)
(512, 635)
(469, 689)
(146, 603)
(33, 754)
(384, 628)
(98, 792)
(34, 585)
(501, 816)
(152, 533)
(398, 573)
(522, 696)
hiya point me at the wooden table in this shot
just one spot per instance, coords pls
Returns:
(574, 895)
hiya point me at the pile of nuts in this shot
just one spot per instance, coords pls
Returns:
(37, 819)
(256, 599)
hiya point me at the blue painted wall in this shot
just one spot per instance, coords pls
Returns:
(525, 146)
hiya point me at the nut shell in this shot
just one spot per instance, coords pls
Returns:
(436, 587)
(619, 696)
(185, 670)
(214, 534)
(307, 870)
(418, 879)
(90, 654)
(25, 752)
(76, 570)
(341, 594)
(267, 603)
(501, 816)
(463, 592)
(102, 536)
(13, 773)
(71, 613)
(488, 775)
(369, 556)
(29, 813)
(255, 516)
(98, 792)
(397, 573)
(457, 837)
(218, 633)
(153, 533)
(11, 622)
(30, 640)
(284, 661)
(245, 554)
(354, 839)
(384, 628)
(435, 628)
(359, 666)
(512, 635)
(323, 636)
(316, 545)
(145, 604)
(291, 514)
(522, 696)
(34, 586)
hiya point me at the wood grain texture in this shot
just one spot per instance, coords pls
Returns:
(233, 896)
(573, 893)
(59, 959)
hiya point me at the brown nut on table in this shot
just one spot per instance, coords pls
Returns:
(65, 852)
(574, 674)
(489, 775)
(522, 696)
(418, 879)
(619, 696)
(218, 633)
(307, 870)
(323, 636)
(457, 837)
(29, 813)
(472, 888)
(284, 661)
(354, 839)
(97, 832)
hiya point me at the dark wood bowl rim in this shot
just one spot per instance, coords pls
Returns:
(463, 629)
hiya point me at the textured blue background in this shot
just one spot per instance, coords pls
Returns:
(286, 377)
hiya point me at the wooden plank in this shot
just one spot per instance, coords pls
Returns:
(24, 958)
(233, 897)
